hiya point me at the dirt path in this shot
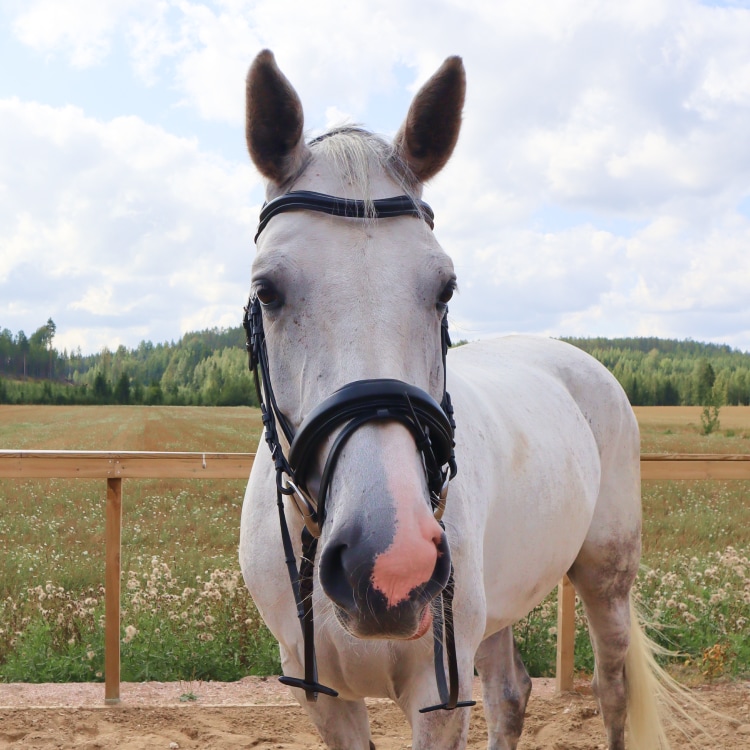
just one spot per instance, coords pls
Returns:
(256, 713)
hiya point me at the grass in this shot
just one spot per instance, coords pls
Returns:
(57, 525)
(676, 429)
(145, 428)
(186, 613)
(189, 614)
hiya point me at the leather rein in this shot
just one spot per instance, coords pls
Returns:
(355, 404)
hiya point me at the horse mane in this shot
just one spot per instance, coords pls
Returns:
(353, 151)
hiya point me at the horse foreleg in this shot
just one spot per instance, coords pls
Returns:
(441, 730)
(505, 689)
(437, 730)
(342, 724)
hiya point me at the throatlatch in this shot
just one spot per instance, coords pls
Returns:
(355, 404)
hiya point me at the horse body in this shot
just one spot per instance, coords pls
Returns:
(520, 511)
(536, 462)
(546, 444)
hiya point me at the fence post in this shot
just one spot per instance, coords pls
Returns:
(112, 534)
(566, 635)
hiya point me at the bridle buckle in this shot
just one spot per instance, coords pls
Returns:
(439, 500)
(306, 507)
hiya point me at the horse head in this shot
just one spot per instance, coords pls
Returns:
(348, 300)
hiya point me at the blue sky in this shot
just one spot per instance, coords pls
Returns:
(601, 185)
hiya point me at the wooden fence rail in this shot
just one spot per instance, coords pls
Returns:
(119, 465)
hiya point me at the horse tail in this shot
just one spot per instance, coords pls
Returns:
(655, 700)
(646, 684)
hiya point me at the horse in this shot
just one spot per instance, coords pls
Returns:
(431, 541)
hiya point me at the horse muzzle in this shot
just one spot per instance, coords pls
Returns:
(384, 590)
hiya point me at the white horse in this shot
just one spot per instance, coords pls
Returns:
(546, 444)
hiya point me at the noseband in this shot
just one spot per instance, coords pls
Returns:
(349, 408)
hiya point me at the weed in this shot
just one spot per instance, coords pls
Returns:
(709, 419)
(714, 660)
(207, 631)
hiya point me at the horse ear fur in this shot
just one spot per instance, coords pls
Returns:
(274, 121)
(429, 134)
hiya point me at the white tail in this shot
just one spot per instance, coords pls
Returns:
(655, 700)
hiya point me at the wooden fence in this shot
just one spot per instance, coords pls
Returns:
(116, 466)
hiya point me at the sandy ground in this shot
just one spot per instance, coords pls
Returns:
(257, 713)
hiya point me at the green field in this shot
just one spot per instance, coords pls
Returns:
(676, 429)
(185, 610)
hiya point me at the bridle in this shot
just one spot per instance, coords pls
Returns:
(349, 408)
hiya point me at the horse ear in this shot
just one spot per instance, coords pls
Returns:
(430, 132)
(273, 121)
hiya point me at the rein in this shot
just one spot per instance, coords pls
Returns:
(349, 408)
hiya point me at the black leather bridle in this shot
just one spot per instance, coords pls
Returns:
(307, 200)
(349, 408)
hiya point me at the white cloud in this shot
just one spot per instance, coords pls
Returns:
(80, 28)
(595, 188)
(152, 39)
(118, 224)
(212, 70)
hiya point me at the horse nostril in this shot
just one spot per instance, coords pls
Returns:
(333, 577)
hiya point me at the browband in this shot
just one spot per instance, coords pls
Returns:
(307, 200)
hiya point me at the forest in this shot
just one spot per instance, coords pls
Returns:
(210, 368)
(203, 368)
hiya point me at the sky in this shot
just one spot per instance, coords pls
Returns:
(600, 187)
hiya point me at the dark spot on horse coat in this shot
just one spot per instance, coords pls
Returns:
(515, 704)
(607, 571)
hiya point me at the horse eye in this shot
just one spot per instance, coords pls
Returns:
(447, 293)
(267, 294)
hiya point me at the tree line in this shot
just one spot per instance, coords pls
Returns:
(210, 368)
(202, 368)
(668, 372)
